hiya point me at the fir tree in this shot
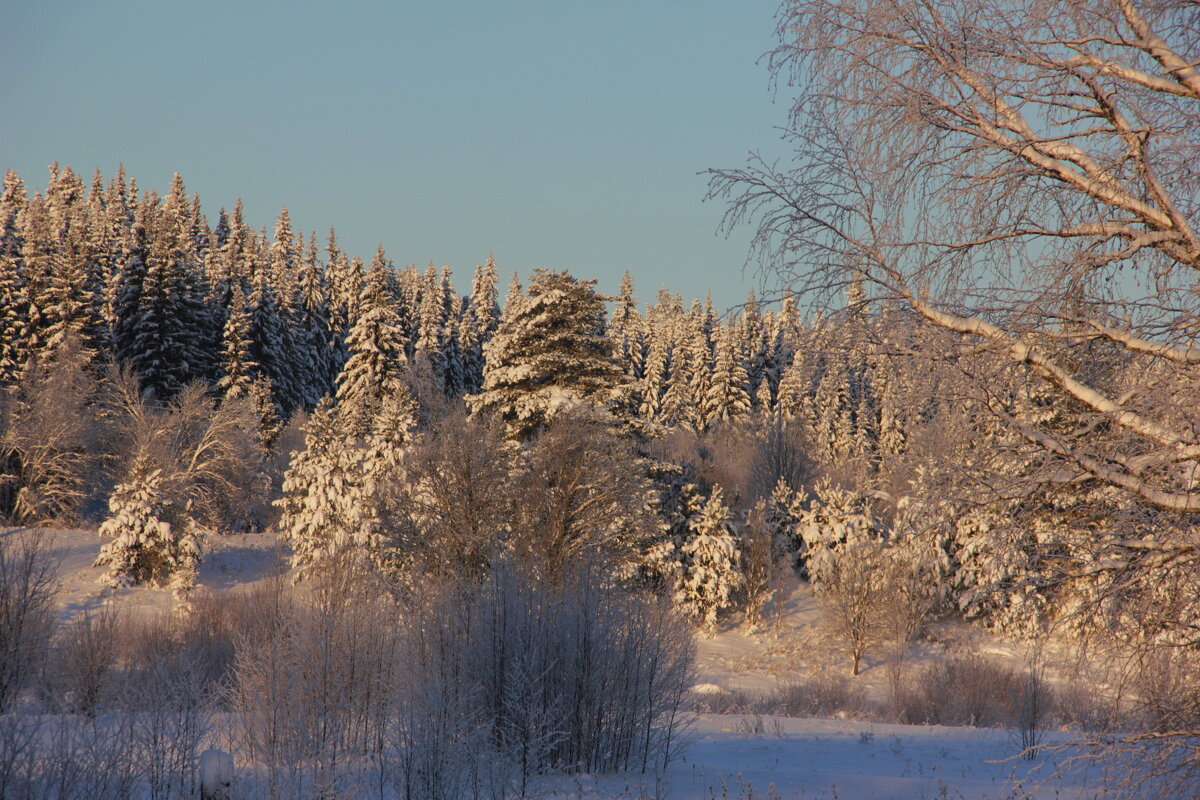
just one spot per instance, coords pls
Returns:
(14, 300)
(479, 322)
(727, 397)
(312, 329)
(238, 368)
(317, 490)
(431, 328)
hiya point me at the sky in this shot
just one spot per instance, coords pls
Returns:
(550, 133)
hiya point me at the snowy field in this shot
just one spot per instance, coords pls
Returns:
(805, 759)
(727, 756)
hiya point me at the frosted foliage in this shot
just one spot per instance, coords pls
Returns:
(835, 517)
(334, 488)
(376, 347)
(710, 574)
(149, 540)
(549, 354)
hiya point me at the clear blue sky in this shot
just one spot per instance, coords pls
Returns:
(554, 133)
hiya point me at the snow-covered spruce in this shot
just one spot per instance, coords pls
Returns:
(710, 563)
(150, 540)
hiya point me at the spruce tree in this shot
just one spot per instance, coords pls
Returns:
(728, 397)
(14, 300)
(479, 322)
(376, 348)
(711, 573)
(150, 539)
(238, 368)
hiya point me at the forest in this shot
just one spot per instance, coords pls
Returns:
(513, 522)
(173, 381)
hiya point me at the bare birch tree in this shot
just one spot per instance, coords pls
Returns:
(1022, 174)
(1025, 177)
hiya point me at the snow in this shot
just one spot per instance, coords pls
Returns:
(738, 757)
(239, 560)
(806, 759)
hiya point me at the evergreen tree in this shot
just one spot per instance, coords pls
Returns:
(711, 575)
(150, 540)
(335, 489)
(318, 490)
(128, 282)
(479, 322)
(374, 368)
(238, 368)
(431, 328)
(727, 396)
(312, 329)
(14, 300)
(549, 353)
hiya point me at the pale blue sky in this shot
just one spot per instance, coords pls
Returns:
(553, 133)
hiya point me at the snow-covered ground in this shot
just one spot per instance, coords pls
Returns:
(804, 759)
(235, 560)
(728, 757)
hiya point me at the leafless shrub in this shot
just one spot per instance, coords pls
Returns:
(166, 694)
(456, 497)
(907, 601)
(819, 695)
(81, 675)
(849, 587)
(780, 456)
(724, 702)
(765, 561)
(1084, 708)
(573, 677)
(582, 496)
(1030, 708)
(46, 438)
(962, 690)
(312, 689)
(822, 695)
(27, 588)
(66, 757)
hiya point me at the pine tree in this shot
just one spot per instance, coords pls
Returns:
(549, 353)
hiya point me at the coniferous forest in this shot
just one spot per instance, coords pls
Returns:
(160, 368)
(487, 479)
